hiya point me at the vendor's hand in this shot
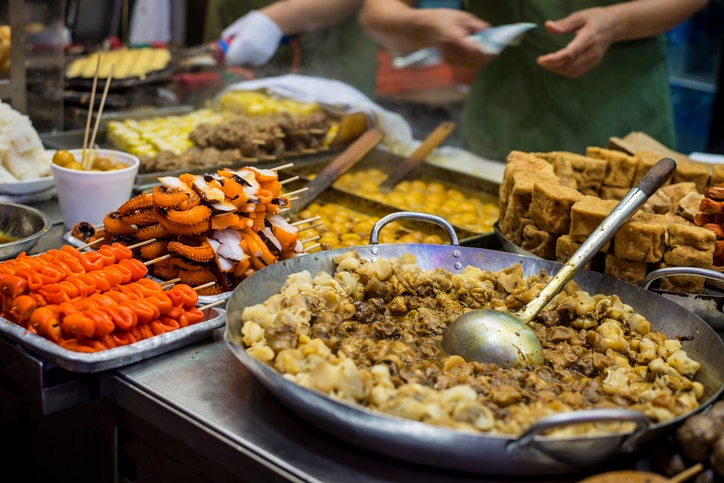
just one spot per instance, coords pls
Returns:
(449, 30)
(254, 40)
(593, 29)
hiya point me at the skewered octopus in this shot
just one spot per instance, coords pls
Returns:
(219, 227)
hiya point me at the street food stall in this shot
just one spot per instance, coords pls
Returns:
(269, 297)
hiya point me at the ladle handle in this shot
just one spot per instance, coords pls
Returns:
(654, 179)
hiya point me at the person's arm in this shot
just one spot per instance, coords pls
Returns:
(597, 28)
(254, 38)
(299, 16)
(399, 27)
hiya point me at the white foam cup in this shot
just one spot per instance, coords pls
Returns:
(90, 195)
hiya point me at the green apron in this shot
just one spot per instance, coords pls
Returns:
(516, 104)
(341, 52)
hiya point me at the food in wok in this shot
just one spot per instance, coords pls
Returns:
(369, 334)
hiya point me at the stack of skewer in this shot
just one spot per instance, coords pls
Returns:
(219, 227)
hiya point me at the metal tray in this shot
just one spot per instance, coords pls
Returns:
(119, 356)
(160, 75)
(509, 246)
(370, 207)
(385, 161)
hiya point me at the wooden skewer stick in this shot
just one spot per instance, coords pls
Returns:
(86, 165)
(170, 282)
(308, 220)
(94, 242)
(283, 166)
(311, 239)
(130, 247)
(289, 180)
(686, 474)
(212, 304)
(155, 260)
(284, 209)
(293, 198)
(311, 226)
(90, 111)
(312, 247)
(206, 285)
(141, 243)
(296, 192)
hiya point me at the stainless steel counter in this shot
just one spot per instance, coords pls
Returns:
(39, 383)
(217, 422)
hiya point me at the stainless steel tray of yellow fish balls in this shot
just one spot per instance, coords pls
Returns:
(467, 202)
(333, 199)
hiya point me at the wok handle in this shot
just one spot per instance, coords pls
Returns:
(587, 416)
(688, 271)
(412, 215)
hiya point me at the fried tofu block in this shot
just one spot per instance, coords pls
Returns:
(659, 203)
(589, 172)
(642, 239)
(676, 191)
(587, 214)
(682, 284)
(644, 161)
(563, 168)
(539, 242)
(621, 166)
(626, 270)
(717, 175)
(519, 196)
(692, 171)
(519, 161)
(566, 247)
(688, 206)
(611, 193)
(671, 219)
(514, 232)
(685, 256)
(550, 206)
(696, 237)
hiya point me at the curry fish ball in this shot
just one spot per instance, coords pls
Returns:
(311, 233)
(308, 213)
(432, 240)
(395, 199)
(418, 185)
(436, 188)
(364, 227)
(75, 165)
(62, 158)
(104, 164)
(455, 195)
(339, 228)
(414, 237)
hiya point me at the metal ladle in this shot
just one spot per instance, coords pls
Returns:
(491, 336)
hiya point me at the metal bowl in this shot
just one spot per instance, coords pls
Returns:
(22, 225)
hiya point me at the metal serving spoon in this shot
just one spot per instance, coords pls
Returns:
(490, 336)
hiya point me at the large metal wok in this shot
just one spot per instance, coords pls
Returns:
(531, 454)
